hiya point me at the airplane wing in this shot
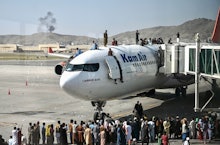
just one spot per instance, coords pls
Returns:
(51, 53)
(61, 55)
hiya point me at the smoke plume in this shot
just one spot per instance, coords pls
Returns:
(48, 22)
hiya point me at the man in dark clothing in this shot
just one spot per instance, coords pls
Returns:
(138, 110)
(145, 134)
(2, 141)
(137, 37)
(63, 135)
(121, 139)
(136, 127)
(105, 38)
(43, 133)
(177, 128)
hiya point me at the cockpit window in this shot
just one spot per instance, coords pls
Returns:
(83, 67)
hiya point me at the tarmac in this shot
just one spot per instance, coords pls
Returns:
(192, 142)
(30, 92)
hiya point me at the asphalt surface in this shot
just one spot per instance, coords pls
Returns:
(30, 92)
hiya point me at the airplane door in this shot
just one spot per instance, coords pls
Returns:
(114, 70)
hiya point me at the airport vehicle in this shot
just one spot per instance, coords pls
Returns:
(97, 76)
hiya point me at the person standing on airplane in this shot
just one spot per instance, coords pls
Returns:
(105, 38)
(137, 37)
(178, 37)
(94, 46)
(110, 52)
(78, 52)
(114, 42)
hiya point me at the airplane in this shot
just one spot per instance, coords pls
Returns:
(98, 77)
(132, 69)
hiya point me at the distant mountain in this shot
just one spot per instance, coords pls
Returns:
(44, 38)
(187, 31)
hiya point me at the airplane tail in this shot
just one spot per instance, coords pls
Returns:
(216, 31)
(50, 50)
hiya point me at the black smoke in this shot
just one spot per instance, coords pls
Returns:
(48, 22)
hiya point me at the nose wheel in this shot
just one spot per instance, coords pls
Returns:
(99, 114)
(181, 91)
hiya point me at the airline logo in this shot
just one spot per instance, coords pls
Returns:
(134, 58)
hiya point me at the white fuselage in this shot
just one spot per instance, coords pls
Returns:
(96, 76)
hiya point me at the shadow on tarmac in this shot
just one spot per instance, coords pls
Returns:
(181, 106)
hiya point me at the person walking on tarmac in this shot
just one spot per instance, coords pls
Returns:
(138, 110)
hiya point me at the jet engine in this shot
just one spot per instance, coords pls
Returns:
(59, 67)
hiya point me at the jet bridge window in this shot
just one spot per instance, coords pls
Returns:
(83, 67)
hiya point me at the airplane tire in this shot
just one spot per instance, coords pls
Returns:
(183, 90)
(96, 116)
(102, 116)
(151, 92)
(177, 91)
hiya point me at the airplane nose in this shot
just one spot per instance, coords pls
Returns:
(65, 81)
(69, 83)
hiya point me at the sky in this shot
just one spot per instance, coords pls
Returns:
(93, 17)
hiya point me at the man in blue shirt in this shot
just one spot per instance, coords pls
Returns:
(78, 52)
(94, 46)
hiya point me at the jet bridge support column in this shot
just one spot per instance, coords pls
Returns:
(197, 73)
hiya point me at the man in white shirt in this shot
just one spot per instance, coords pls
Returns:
(10, 141)
(15, 136)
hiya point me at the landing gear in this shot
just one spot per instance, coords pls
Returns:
(181, 91)
(151, 92)
(98, 115)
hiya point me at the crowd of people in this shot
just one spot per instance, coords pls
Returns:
(121, 132)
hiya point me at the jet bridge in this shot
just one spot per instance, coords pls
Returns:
(174, 58)
(201, 60)
(209, 60)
